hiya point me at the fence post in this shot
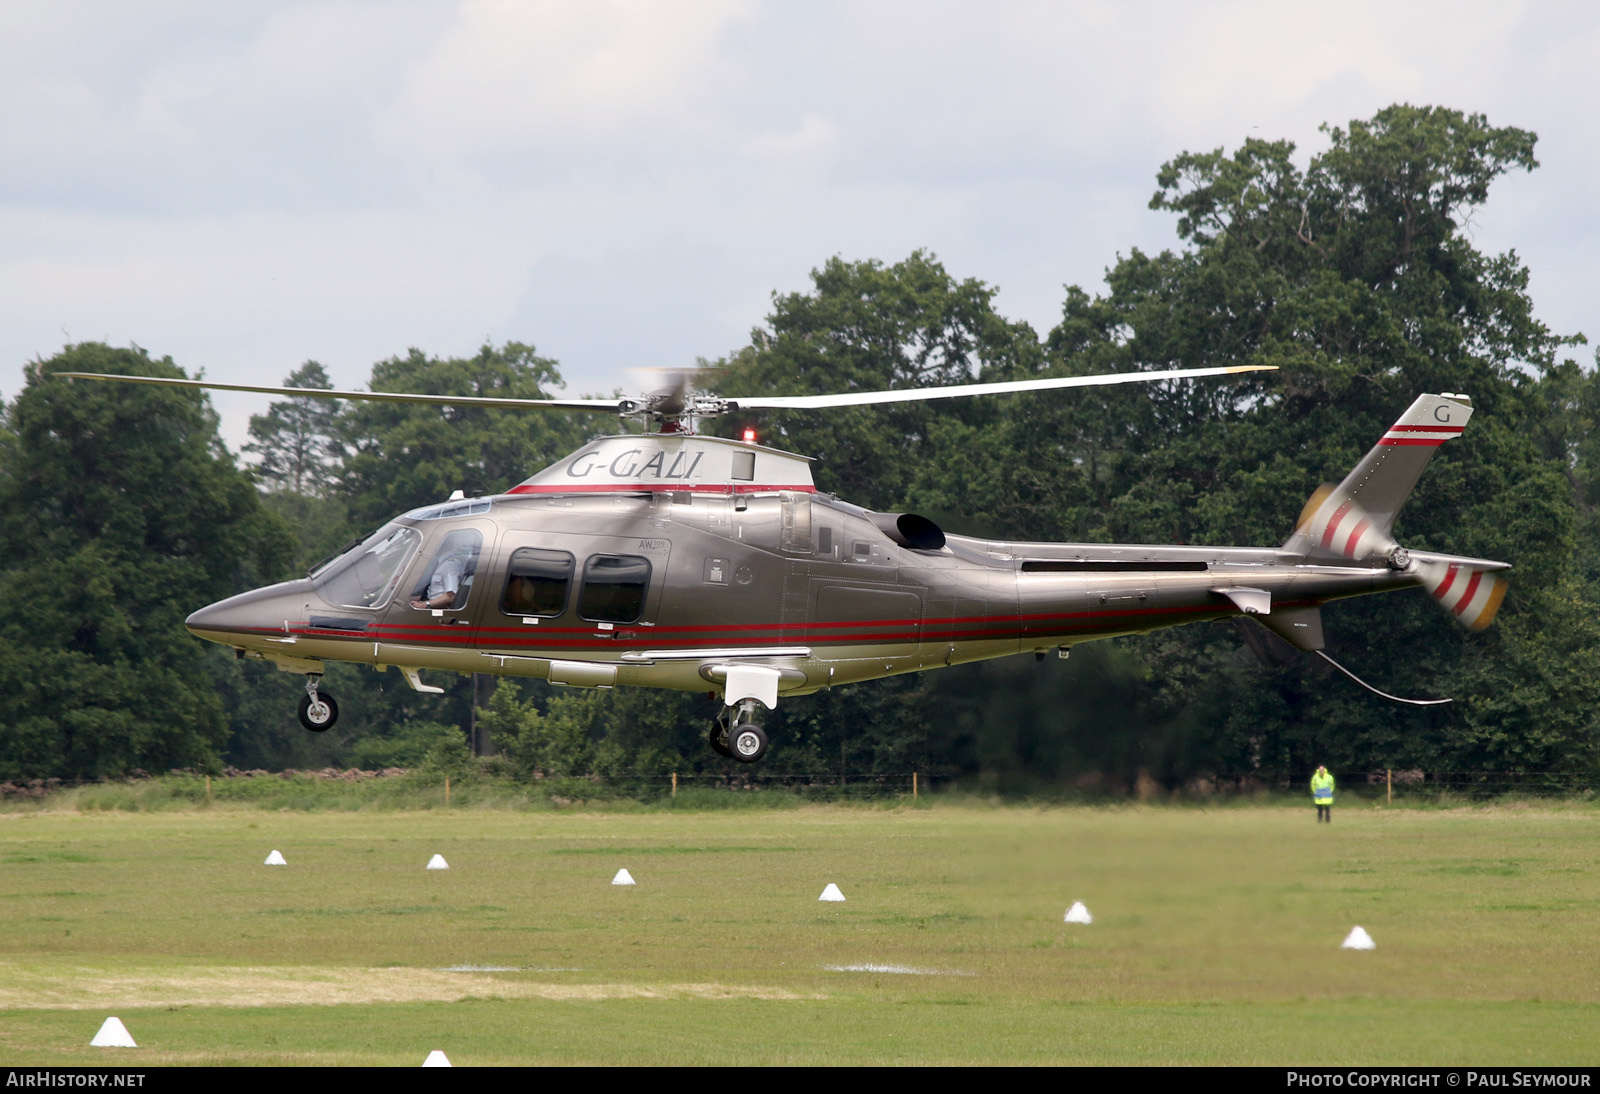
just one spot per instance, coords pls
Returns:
(208, 789)
(913, 786)
(447, 789)
(674, 784)
(1388, 780)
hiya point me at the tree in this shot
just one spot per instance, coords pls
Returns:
(297, 439)
(300, 456)
(1357, 278)
(404, 455)
(868, 327)
(120, 512)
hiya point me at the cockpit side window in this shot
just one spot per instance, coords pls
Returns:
(537, 582)
(614, 588)
(366, 575)
(446, 582)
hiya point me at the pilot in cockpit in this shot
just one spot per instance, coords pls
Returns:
(445, 583)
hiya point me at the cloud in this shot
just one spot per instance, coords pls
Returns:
(246, 186)
(515, 75)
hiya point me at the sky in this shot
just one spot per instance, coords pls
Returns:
(623, 184)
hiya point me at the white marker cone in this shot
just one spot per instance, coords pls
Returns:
(437, 1059)
(831, 893)
(113, 1034)
(623, 877)
(1358, 939)
(437, 862)
(1077, 914)
(275, 859)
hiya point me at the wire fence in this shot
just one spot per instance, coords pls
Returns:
(1386, 785)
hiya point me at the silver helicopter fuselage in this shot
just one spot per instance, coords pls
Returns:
(703, 564)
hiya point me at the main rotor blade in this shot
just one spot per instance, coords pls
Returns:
(711, 406)
(906, 395)
(605, 405)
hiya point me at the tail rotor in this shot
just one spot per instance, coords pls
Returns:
(1470, 589)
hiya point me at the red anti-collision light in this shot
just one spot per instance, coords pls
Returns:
(749, 436)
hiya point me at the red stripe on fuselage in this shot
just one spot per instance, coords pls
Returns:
(889, 631)
(657, 487)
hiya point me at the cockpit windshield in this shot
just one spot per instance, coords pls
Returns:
(366, 576)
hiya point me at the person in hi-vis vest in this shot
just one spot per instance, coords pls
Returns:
(1322, 794)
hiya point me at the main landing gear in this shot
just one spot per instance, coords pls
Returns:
(318, 711)
(741, 740)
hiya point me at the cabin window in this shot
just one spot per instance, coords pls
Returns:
(446, 582)
(366, 576)
(468, 508)
(537, 582)
(614, 587)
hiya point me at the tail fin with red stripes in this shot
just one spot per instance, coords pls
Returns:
(1385, 477)
(1354, 519)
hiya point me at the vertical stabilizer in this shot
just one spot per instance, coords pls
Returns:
(1385, 477)
(1380, 484)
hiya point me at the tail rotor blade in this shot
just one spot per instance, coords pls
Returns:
(1333, 523)
(1473, 596)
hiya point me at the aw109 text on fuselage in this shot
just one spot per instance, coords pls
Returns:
(673, 560)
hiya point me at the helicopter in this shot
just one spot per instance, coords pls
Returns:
(672, 559)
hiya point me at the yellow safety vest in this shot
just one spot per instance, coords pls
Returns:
(1322, 788)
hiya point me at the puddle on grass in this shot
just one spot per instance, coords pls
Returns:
(509, 968)
(897, 970)
(54, 987)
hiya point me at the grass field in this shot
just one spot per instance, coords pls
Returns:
(1216, 936)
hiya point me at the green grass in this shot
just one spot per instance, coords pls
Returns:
(1216, 935)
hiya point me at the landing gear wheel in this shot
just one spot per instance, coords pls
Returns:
(320, 715)
(719, 738)
(747, 742)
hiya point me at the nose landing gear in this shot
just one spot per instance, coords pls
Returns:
(318, 711)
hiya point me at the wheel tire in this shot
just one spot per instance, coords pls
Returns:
(748, 743)
(318, 718)
(719, 739)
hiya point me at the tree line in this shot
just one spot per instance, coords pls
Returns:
(1355, 275)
